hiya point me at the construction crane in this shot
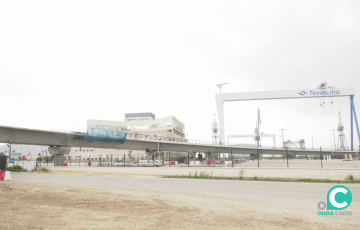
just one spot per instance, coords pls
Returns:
(220, 85)
(215, 135)
(257, 129)
(342, 145)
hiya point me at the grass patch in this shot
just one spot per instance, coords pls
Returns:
(204, 175)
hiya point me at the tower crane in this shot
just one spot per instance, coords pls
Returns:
(342, 145)
(220, 85)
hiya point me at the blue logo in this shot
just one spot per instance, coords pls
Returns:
(12, 160)
(302, 93)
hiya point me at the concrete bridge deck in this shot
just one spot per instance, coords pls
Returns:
(62, 139)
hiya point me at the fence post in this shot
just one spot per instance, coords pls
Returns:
(169, 160)
(219, 159)
(257, 153)
(232, 159)
(124, 160)
(209, 158)
(287, 157)
(321, 157)
(189, 158)
(111, 160)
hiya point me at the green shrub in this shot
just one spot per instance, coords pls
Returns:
(16, 168)
(350, 177)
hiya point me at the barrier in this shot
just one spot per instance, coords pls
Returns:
(5, 175)
(173, 162)
(210, 162)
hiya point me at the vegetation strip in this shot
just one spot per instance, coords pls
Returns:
(350, 179)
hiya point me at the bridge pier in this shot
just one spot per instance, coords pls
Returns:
(58, 152)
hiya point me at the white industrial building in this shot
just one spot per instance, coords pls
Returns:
(135, 123)
(145, 124)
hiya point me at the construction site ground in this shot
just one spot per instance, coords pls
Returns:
(55, 201)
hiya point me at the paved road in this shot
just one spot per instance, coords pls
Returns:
(307, 192)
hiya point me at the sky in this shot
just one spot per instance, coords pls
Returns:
(63, 62)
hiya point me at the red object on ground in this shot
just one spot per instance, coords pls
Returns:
(23, 158)
(186, 162)
(2, 175)
(89, 164)
(65, 164)
(173, 163)
(210, 162)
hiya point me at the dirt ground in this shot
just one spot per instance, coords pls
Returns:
(55, 206)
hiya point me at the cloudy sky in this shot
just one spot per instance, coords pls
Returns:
(62, 62)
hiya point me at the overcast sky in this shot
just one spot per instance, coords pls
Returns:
(63, 62)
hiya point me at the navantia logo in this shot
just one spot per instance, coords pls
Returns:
(302, 93)
(339, 197)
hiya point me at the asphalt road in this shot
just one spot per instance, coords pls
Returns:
(301, 192)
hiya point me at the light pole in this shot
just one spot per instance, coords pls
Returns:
(312, 141)
(280, 140)
(334, 140)
(282, 132)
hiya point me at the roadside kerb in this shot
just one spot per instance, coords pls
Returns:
(291, 173)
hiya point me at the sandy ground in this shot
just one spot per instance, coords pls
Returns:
(26, 205)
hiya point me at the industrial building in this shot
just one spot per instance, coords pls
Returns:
(144, 124)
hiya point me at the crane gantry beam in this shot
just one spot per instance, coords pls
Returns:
(275, 95)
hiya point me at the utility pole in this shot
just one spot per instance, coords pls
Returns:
(220, 85)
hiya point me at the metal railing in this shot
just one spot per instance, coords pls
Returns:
(133, 136)
(210, 143)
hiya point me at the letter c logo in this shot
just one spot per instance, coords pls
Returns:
(332, 198)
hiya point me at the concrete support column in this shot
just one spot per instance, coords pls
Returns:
(59, 153)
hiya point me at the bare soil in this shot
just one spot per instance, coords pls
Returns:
(52, 206)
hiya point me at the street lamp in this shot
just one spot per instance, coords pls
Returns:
(280, 140)
(312, 141)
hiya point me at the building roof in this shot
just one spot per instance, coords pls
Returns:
(148, 114)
